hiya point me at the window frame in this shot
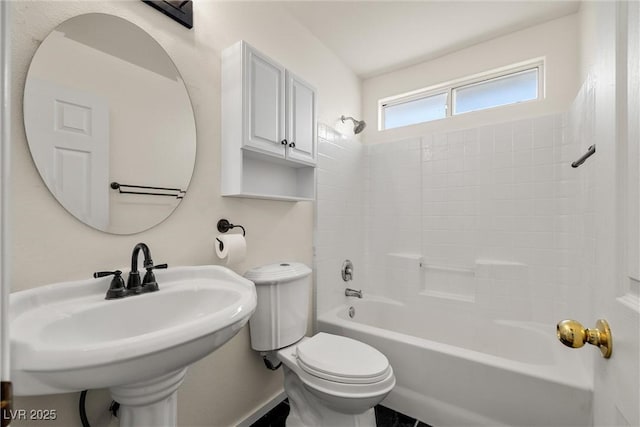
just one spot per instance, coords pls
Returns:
(450, 86)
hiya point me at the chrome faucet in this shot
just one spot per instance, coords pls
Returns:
(353, 293)
(149, 283)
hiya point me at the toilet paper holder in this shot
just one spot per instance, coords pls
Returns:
(224, 226)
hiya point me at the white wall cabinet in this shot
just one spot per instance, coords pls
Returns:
(268, 128)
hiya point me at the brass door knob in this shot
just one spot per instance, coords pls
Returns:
(572, 334)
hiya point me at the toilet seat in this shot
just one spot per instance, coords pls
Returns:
(346, 388)
(339, 390)
(341, 359)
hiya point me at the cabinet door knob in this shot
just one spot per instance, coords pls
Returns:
(292, 145)
(283, 142)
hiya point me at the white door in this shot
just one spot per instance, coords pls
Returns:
(69, 141)
(265, 92)
(301, 116)
(617, 292)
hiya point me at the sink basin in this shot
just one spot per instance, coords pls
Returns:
(66, 337)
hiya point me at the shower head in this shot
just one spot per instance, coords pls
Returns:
(358, 125)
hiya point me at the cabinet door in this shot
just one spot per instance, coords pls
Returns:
(264, 105)
(301, 120)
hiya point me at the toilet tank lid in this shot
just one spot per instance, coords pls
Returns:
(278, 272)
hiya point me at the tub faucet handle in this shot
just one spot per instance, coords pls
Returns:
(347, 270)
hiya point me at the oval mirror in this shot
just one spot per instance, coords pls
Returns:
(109, 123)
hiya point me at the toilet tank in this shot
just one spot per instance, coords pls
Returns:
(281, 316)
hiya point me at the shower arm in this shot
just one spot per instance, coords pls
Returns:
(358, 125)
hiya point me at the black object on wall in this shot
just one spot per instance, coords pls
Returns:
(175, 192)
(590, 152)
(178, 10)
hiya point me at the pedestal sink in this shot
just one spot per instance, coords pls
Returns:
(66, 337)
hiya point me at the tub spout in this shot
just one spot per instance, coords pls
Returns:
(353, 293)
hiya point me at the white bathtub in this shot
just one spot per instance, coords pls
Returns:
(453, 370)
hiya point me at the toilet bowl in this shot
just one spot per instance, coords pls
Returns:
(330, 380)
(346, 375)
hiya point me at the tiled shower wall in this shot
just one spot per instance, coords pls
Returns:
(487, 215)
(581, 131)
(339, 215)
(492, 218)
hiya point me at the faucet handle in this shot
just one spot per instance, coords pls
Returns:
(99, 274)
(154, 267)
(116, 288)
(347, 270)
(149, 283)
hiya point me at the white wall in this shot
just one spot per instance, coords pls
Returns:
(49, 245)
(588, 31)
(557, 41)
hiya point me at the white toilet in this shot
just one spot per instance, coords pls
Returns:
(330, 380)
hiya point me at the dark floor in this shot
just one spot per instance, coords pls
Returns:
(275, 417)
(385, 417)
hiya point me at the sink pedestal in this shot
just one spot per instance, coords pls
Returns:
(150, 403)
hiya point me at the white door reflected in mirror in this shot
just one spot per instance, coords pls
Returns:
(104, 103)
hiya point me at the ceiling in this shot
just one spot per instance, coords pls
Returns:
(374, 37)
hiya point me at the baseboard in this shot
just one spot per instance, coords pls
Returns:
(272, 403)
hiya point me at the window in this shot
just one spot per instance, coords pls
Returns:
(518, 83)
(423, 109)
(510, 89)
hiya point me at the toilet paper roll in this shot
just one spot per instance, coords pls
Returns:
(234, 248)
